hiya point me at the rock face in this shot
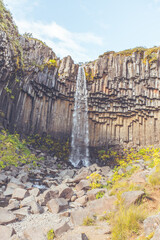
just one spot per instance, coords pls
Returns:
(37, 96)
(124, 99)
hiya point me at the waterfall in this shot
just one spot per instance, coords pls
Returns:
(80, 131)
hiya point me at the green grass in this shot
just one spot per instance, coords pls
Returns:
(154, 178)
(126, 222)
(15, 152)
(88, 222)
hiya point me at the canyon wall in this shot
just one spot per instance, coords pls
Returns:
(37, 91)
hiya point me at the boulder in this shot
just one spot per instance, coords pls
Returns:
(82, 175)
(92, 193)
(61, 228)
(83, 185)
(156, 234)
(13, 205)
(34, 233)
(80, 193)
(151, 223)
(83, 200)
(16, 181)
(10, 189)
(3, 178)
(99, 206)
(6, 216)
(67, 173)
(34, 192)
(27, 201)
(23, 176)
(132, 197)
(65, 191)
(78, 215)
(57, 205)
(21, 213)
(20, 193)
(36, 208)
(6, 232)
(47, 196)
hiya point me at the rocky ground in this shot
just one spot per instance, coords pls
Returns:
(33, 202)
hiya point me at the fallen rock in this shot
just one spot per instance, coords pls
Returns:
(6, 232)
(27, 201)
(132, 197)
(57, 205)
(34, 233)
(82, 175)
(150, 224)
(3, 178)
(61, 228)
(83, 185)
(99, 206)
(92, 193)
(34, 192)
(23, 176)
(20, 193)
(16, 181)
(65, 191)
(156, 234)
(83, 200)
(36, 208)
(21, 213)
(78, 215)
(6, 216)
(80, 193)
(10, 189)
(67, 173)
(47, 196)
(13, 204)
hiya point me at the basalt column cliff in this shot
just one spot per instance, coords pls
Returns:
(124, 99)
(36, 88)
(37, 91)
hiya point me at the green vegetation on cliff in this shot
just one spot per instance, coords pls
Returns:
(14, 152)
(61, 149)
(149, 54)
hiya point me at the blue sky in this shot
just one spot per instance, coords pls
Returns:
(85, 29)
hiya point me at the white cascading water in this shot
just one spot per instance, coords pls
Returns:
(80, 131)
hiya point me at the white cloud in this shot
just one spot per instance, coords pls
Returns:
(62, 41)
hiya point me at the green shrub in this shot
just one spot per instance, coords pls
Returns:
(60, 148)
(99, 195)
(14, 152)
(88, 221)
(50, 235)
